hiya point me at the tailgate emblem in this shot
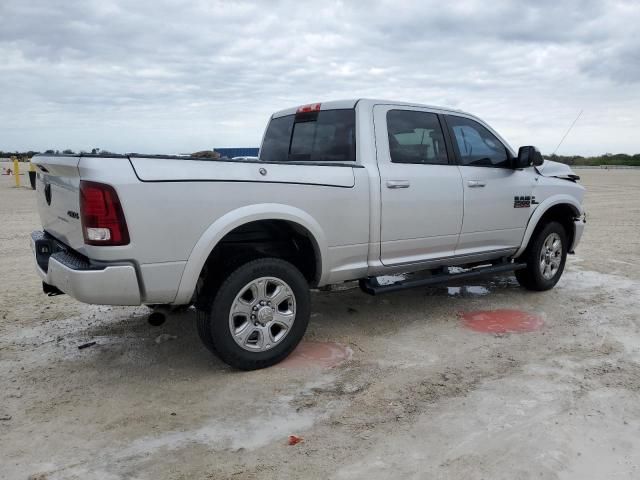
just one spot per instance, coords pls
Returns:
(47, 193)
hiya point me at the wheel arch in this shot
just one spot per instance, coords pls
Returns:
(230, 222)
(562, 208)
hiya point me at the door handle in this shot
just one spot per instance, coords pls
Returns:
(476, 183)
(398, 184)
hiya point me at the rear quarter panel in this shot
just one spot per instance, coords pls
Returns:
(185, 198)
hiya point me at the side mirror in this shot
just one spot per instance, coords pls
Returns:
(528, 156)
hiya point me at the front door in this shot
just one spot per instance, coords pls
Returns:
(421, 187)
(497, 198)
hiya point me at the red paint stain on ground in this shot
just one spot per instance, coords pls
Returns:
(294, 440)
(502, 321)
(317, 354)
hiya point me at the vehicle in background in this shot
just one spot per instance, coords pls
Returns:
(231, 152)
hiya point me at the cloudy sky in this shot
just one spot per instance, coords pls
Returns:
(179, 76)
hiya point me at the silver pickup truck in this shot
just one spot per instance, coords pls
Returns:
(342, 190)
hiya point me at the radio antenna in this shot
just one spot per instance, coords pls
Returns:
(567, 132)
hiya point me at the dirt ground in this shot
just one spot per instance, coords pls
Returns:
(421, 396)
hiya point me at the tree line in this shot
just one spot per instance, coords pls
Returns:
(30, 153)
(606, 159)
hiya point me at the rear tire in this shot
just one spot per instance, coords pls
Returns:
(258, 314)
(545, 258)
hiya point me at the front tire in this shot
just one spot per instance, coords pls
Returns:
(545, 258)
(258, 316)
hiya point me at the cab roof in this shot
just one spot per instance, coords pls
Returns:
(370, 102)
(351, 103)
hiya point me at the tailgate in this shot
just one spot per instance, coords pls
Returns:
(58, 193)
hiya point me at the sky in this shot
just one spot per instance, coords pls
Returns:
(181, 76)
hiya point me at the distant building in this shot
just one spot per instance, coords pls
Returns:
(237, 152)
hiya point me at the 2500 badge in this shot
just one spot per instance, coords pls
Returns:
(523, 201)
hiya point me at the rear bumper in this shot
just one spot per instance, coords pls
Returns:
(101, 284)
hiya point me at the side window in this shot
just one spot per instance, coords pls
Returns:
(476, 146)
(415, 137)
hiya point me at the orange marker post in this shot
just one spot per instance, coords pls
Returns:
(16, 171)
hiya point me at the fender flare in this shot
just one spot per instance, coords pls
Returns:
(236, 218)
(540, 211)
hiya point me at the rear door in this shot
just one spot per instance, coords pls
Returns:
(497, 198)
(421, 187)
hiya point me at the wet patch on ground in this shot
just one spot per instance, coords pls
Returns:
(470, 290)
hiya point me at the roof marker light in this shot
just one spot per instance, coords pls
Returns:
(312, 107)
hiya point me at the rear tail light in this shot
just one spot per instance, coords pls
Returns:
(103, 221)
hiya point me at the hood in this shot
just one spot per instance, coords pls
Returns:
(556, 169)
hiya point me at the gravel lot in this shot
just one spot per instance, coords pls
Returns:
(420, 397)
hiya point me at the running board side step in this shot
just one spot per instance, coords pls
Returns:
(372, 287)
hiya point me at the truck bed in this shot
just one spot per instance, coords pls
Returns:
(174, 205)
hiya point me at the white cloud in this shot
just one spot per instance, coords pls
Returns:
(168, 76)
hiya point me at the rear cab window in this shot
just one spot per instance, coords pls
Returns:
(315, 136)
